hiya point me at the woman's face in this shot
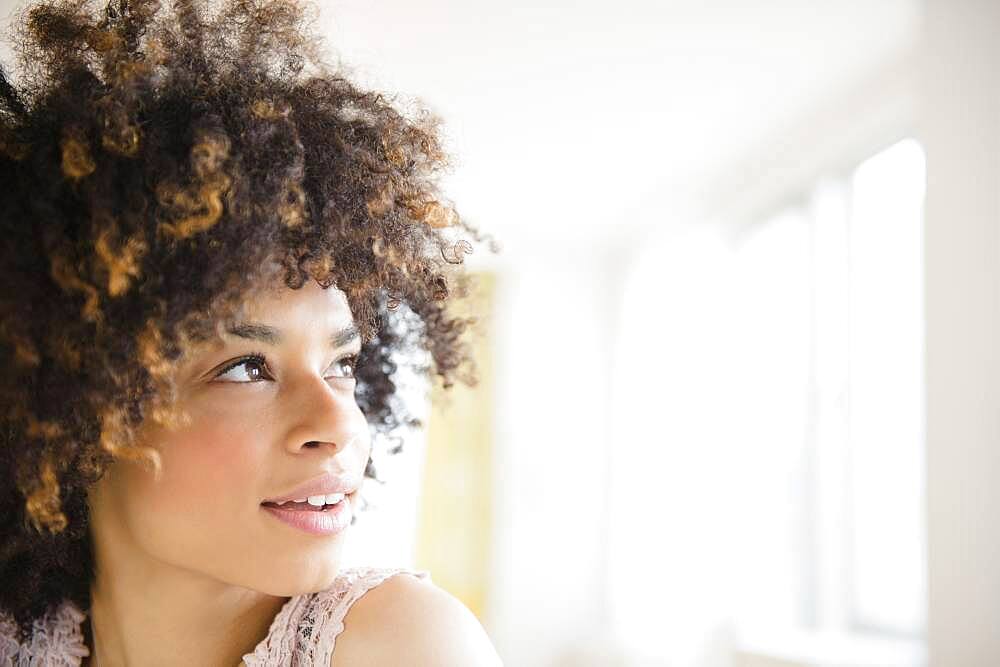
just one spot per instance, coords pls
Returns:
(257, 431)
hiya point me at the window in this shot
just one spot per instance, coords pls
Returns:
(786, 461)
(886, 566)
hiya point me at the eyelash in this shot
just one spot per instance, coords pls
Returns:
(258, 358)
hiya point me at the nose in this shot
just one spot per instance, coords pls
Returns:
(324, 416)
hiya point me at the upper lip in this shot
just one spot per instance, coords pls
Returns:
(323, 485)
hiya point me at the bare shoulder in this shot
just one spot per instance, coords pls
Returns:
(409, 621)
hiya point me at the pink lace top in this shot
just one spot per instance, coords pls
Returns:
(302, 634)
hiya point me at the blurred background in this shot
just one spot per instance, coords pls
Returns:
(738, 400)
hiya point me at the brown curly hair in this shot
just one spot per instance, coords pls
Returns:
(154, 165)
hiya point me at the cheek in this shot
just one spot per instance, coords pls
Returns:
(211, 467)
(203, 512)
(363, 445)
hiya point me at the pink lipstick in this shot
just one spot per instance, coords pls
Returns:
(328, 519)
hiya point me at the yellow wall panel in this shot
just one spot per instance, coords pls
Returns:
(456, 513)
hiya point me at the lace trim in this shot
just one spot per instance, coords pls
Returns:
(56, 640)
(332, 607)
(280, 635)
(304, 632)
(8, 645)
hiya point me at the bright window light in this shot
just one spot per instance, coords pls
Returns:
(767, 479)
(886, 390)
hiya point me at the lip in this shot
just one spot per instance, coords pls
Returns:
(323, 485)
(316, 522)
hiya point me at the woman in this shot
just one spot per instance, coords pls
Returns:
(215, 251)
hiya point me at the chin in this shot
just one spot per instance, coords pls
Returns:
(300, 570)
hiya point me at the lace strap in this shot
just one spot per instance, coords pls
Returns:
(304, 632)
(56, 640)
(331, 606)
(9, 646)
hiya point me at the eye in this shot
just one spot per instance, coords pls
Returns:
(248, 363)
(345, 366)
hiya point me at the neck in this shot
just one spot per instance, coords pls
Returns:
(145, 610)
(169, 621)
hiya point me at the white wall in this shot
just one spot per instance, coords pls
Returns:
(961, 113)
(554, 314)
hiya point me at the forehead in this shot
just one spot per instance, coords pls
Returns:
(310, 304)
(274, 315)
(278, 316)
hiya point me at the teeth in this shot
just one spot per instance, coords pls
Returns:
(316, 501)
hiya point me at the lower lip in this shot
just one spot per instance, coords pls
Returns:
(328, 521)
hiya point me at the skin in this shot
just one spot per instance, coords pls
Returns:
(405, 621)
(190, 568)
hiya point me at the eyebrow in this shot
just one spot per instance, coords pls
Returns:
(272, 336)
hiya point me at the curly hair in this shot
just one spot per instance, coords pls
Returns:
(155, 164)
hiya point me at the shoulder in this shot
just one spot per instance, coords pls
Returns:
(409, 620)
